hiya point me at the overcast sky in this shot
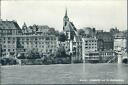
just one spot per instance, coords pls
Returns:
(101, 14)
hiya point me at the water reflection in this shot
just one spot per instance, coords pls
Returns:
(122, 72)
(105, 73)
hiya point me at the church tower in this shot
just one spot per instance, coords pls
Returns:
(65, 19)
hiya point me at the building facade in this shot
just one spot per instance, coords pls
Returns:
(108, 56)
(89, 50)
(14, 40)
(73, 40)
(8, 40)
(120, 41)
(106, 41)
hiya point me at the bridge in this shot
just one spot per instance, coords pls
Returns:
(121, 57)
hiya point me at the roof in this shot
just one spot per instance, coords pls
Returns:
(120, 35)
(105, 36)
(9, 25)
(78, 38)
(70, 27)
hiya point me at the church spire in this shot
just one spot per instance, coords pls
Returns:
(66, 12)
(65, 19)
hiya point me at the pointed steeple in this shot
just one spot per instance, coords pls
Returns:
(65, 19)
(66, 12)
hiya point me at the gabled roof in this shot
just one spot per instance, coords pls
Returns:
(70, 27)
(9, 25)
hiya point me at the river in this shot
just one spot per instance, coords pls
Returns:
(65, 74)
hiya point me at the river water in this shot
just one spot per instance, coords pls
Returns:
(65, 74)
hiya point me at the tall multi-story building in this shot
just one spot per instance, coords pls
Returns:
(8, 40)
(89, 50)
(43, 43)
(105, 41)
(41, 38)
(120, 41)
(15, 40)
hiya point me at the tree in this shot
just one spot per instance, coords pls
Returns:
(62, 37)
(61, 56)
(61, 52)
(33, 54)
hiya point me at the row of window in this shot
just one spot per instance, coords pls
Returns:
(39, 43)
(92, 57)
(106, 53)
(49, 46)
(9, 42)
(9, 50)
(28, 39)
(90, 41)
(9, 46)
(9, 38)
(90, 44)
(90, 47)
(47, 38)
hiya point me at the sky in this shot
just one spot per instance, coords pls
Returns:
(101, 14)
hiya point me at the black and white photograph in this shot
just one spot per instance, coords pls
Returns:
(63, 42)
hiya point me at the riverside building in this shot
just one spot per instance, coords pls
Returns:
(89, 50)
(74, 42)
(14, 40)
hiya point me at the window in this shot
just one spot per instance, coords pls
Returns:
(27, 42)
(27, 39)
(8, 41)
(4, 46)
(4, 49)
(8, 49)
(8, 38)
(13, 42)
(47, 38)
(35, 38)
